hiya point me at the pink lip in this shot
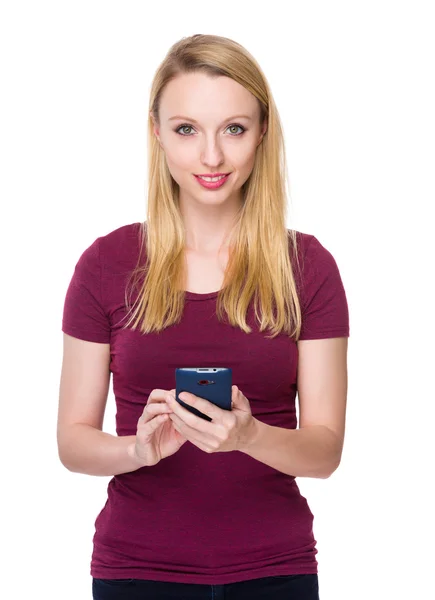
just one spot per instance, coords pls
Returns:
(212, 185)
(211, 174)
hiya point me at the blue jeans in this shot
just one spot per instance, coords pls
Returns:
(281, 587)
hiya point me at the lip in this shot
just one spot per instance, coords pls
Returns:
(210, 174)
(212, 185)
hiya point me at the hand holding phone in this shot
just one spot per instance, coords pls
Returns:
(156, 437)
(233, 428)
(211, 383)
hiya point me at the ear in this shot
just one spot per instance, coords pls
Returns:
(156, 128)
(263, 130)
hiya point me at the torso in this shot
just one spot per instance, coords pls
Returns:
(205, 274)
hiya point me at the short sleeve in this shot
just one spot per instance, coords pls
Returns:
(84, 316)
(325, 311)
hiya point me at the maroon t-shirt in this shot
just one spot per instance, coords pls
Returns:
(197, 517)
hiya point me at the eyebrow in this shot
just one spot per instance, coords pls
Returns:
(193, 120)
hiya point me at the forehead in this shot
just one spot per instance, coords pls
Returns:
(203, 97)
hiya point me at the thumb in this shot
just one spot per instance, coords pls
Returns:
(238, 400)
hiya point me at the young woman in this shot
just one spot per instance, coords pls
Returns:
(197, 508)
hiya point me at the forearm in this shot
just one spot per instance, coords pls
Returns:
(307, 452)
(85, 449)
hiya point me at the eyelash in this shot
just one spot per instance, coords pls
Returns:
(190, 126)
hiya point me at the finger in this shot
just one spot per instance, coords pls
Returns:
(201, 404)
(151, 410)
(156, 396)
(155, 421)
(148, 428)
(193, 437)
(189, 418)
(191, 433)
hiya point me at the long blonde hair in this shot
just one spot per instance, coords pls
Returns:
(259, 263)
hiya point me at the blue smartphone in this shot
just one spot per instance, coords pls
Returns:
(211, 383)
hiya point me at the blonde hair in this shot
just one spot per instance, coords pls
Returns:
(259, 263)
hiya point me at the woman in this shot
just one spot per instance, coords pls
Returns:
(195, 508)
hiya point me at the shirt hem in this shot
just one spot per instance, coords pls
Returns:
(197, 578)
(88, 336)
(325, 334)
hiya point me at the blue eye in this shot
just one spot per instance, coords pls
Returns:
(186, 126)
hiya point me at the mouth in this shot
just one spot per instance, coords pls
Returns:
(210, 175)
(212, 183)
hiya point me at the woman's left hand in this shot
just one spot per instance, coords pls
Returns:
(229, 429)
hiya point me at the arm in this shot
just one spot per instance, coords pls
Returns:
(91, 451)
(313, 450)
(82, 445)
(308, 452)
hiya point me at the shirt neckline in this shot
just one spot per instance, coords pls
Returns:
(195, 296)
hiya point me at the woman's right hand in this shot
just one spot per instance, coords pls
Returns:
(156, 437)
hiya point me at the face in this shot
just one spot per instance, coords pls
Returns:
(209, 126)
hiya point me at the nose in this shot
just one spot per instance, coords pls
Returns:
(211, 152)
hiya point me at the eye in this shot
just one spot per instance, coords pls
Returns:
(239, 126)
(185, 126)
(182, 127)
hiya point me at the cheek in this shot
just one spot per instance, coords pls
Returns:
(244, 163)
(180, 157)
(179, 165)
(242, 156)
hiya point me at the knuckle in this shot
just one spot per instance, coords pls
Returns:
(154, 408)
(223, 433)
(156, 395)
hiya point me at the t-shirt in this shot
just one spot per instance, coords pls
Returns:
(198, 517)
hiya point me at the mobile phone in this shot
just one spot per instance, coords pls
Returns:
(211, 383)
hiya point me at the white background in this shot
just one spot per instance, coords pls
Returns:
(354, 86)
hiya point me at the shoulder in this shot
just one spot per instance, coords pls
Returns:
(311, 250)
(306, 243)
(120, 235)
(121, 245)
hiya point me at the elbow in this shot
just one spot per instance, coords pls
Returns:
(65, 448)
(328, 471)
(64, 455)
(334, 459)
(63, 460)
(67, 466)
